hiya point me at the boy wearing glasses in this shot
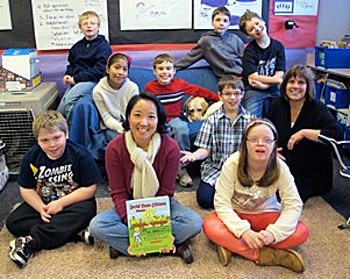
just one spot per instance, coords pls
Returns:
(87, 63)
(219, 137)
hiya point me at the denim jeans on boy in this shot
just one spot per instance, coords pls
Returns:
(180, 132)
(72, 95)
(258, 102)
(109, 228)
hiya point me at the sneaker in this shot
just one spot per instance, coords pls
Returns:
(224, 255)
(185, 253)
(287, 258)
(21, 251)
(113, 253)
(185, 179)
(86, 237)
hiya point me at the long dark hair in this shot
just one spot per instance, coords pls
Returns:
(161, 114)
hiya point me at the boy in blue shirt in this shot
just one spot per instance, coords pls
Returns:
(264, 64)
(57, 183)
(221, 49)
(87, 63)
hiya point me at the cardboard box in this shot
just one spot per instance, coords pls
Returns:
(21, 61)
(12, 82)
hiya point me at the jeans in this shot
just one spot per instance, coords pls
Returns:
(258, 102)
(108, 226)
(180, 132)
(205, 195)
(72, 95)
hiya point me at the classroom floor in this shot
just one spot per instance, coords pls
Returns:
(339, 198)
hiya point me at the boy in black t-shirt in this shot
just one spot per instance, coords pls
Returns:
(57, 183)
(264, 64)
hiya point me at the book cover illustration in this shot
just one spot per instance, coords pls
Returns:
(149, 224)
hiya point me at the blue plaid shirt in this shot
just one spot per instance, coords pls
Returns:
(221, 138)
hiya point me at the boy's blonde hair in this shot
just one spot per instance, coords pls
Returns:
(87, 14)
(230, 81)
(50, 120)
(248, 15)
(161, 58)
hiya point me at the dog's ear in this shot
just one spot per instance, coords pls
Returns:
(188, 101)
(205, 106)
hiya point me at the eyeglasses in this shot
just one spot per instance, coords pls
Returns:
(263, 141)
(230, 95)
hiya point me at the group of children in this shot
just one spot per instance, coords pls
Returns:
(241, 173)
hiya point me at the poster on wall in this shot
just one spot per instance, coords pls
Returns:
(296, 7)
(203, 10)
(155, 14)
(5, 18)
(56, 21)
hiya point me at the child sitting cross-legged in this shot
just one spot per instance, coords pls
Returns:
(57, 183)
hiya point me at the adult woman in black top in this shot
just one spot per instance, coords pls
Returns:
(300, 119)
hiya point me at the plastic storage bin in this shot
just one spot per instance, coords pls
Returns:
(318, 88)
(332, 57)
(337, 98)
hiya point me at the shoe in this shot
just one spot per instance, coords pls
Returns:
(21, 251)
(86, 237)
(185, 253)
(113, 253)
(184, 179)
(224, 255)
(282, 257)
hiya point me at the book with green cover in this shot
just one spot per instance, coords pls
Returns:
(149, 225)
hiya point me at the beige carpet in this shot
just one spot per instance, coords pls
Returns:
(327, 255)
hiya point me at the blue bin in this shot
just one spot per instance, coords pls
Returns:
(332, 57)
(337, 98)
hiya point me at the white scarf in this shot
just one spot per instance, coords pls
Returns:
(144, 178)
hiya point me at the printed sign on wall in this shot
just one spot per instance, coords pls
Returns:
(296, 7)
(155, 14)
(56, 21)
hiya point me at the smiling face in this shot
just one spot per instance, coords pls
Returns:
(221, 22)
(90, 26)
(52, 142)
(260, 143)
(164, 72)
(231, 98)
(255, 28)
(296, 89)
(117, 72)
(143, 122)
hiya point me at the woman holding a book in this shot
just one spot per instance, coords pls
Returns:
(143, 163)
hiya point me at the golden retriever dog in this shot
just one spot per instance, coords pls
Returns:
(195, 108)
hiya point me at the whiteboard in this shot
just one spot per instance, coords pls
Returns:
(5, 18)
(203, 11)
(155, 14)
(56, 21)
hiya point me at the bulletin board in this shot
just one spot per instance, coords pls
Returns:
(302, 37)
(22, 34)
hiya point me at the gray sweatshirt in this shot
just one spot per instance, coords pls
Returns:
(223, 53)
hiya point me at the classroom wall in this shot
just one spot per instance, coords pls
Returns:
(333, 20)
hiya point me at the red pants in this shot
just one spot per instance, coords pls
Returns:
(217, 232)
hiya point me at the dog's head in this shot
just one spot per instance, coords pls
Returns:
(195, 108)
